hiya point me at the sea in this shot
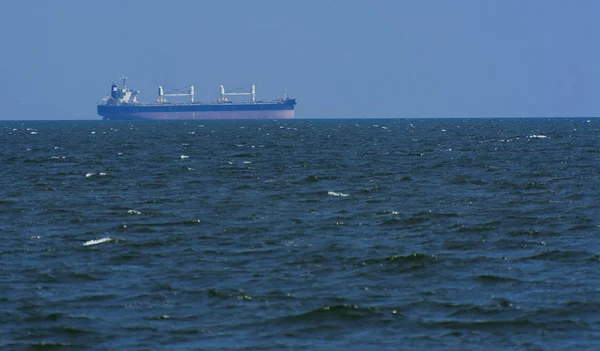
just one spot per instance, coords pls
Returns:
(307, 234)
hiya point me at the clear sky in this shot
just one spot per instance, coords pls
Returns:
(339, 58)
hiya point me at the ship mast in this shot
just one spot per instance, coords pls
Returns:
(124, 79)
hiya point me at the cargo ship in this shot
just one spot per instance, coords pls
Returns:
(122, 104)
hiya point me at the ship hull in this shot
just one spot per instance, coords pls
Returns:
(198, 111)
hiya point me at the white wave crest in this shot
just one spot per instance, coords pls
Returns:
(333, 193)
(97, 241)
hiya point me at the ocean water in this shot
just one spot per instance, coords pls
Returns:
(381, 234)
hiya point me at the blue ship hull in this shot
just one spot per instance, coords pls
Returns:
(190, 111)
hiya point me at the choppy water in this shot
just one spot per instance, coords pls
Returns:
(309, 234)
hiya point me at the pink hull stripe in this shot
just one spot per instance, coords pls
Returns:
(281, 114)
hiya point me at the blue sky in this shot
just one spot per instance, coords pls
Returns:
(339, 58)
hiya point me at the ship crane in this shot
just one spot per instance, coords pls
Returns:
(224, 95)
(162, 96)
